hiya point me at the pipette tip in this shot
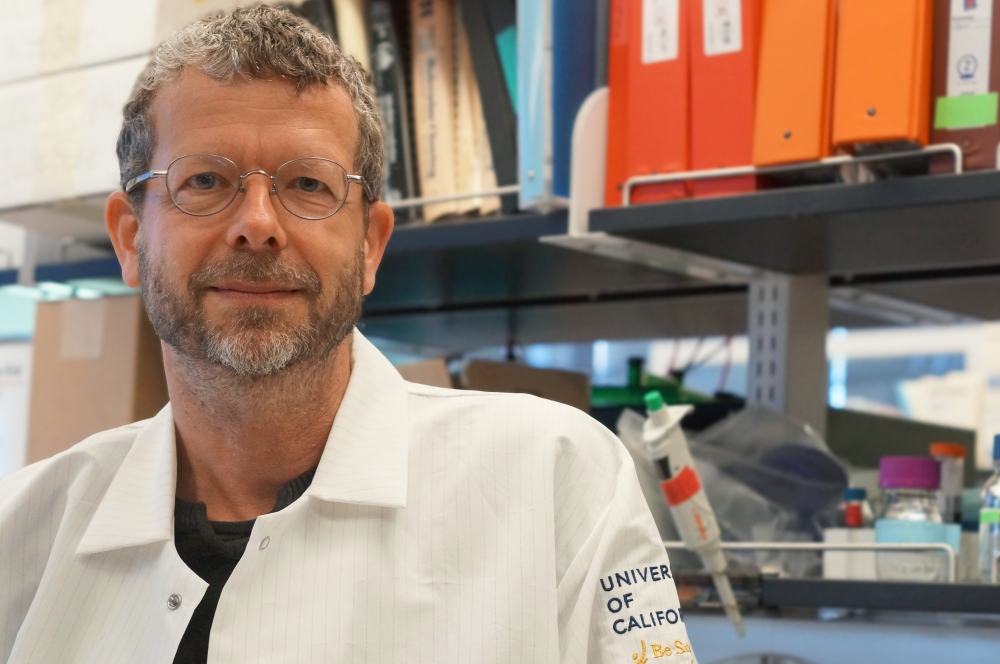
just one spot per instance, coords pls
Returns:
(733, 613)
(728, 600)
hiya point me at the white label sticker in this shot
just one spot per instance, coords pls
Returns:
(723, 26)
(660, 26)
(969, 47)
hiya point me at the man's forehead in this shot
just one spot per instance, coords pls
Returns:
(196, 113)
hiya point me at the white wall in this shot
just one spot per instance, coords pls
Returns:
(12, 240)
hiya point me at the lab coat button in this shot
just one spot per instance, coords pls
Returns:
(173, 601)
(264, 542)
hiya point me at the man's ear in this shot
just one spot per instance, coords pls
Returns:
(380, 225)
(123, 227)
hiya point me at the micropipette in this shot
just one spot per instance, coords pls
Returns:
(693, 515)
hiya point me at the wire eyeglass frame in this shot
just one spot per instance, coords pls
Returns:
(150, 175)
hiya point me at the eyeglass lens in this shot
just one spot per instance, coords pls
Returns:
(310, 188)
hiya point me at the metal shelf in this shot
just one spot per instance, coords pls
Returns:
(475, 232)
(468, 283)
(899, 225)
(496, 263)
(880, 595)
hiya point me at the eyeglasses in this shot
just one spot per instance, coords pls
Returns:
(204, 184)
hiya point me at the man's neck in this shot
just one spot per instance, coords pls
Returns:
(239, 440)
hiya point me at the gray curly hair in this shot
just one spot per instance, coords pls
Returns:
(255, 43)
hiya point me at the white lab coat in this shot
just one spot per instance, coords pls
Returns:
(441, 526)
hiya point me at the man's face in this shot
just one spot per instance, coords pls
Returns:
(253, 287)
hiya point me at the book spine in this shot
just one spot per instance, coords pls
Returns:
(351, 32)
(474, 163)
(390, 92)
(433, 101)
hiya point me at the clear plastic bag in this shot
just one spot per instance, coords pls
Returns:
(779, 458)
(767, 478)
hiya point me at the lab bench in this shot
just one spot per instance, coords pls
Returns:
(829, 622)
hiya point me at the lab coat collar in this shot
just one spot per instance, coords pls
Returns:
(138, 507)
(365, 460)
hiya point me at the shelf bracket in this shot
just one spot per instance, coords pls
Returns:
(787, 322)
(589, 155)
(893, 310)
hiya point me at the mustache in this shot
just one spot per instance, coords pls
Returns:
(265, 270)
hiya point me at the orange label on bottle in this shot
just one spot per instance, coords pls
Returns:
(678, 489)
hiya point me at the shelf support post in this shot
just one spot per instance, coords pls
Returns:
(787, 327)
(26, 271)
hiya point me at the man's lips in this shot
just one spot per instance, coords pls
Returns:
(252, 291)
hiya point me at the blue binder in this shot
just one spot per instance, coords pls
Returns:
(557, 53)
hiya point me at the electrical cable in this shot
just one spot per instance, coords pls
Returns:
(673, 356)
(694, 355)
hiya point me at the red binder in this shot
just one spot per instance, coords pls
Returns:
(723, 85)
(618, 46)
(648, 97)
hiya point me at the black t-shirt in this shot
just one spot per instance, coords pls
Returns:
(211, 549)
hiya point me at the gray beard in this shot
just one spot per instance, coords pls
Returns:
(260, 343)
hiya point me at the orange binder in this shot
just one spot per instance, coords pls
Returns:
(648, 97)
(883, 74)
(723, 84)
(794, 81)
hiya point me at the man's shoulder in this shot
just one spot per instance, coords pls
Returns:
(514, 412)
(99, 452)
(428, 395)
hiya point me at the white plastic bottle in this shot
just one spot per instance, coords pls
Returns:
(989, 519)
(951, 456)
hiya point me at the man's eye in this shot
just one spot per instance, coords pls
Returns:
(309, 185)
(204, 181)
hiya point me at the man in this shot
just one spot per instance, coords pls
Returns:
(297, 500)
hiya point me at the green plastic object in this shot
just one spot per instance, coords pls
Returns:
(965, 111)
(633, 395)
(654, 401)
(507, 48)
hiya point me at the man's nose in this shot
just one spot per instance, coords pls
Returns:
(256, 226)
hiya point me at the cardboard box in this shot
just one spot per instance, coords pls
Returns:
(429, 372)
(96, 365)
(568, 387)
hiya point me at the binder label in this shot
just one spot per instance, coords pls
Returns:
(723, 26)
(660, 30)
(969, 47)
